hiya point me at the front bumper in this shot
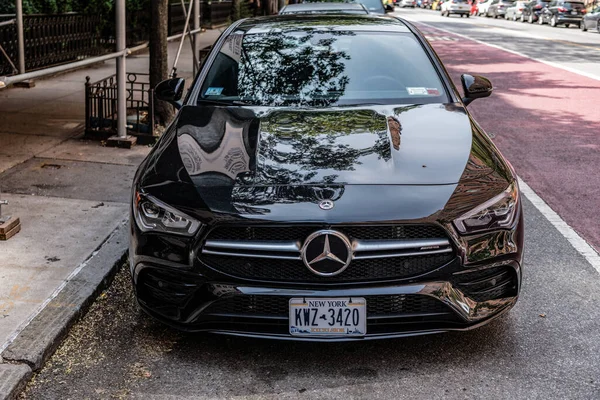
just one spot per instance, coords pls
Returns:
(192, 302)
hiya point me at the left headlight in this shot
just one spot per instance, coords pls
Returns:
(152, 215)
(497, 213)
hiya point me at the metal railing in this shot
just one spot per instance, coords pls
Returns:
(51, 40)
(101, 107)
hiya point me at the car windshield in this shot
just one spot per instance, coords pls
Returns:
(576, 6)
(371, 5)
(312, 68)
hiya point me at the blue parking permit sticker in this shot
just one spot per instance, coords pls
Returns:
(214, 91)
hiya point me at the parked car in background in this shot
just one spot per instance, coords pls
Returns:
(515, 11)
(533, 9)
(324, 8)
(591, 21)
(482, 8)
(459, 7)
(563, 12)
(407, 3)
(424, 3)
(475, 5)
(498, 8)
(373, 6)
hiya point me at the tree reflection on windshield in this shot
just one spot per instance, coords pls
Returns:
(299, 68)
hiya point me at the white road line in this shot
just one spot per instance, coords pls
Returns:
(550, 63)
(569, 233)
(578, 243)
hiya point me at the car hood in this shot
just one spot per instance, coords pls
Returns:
(276, 164)
(408, 145)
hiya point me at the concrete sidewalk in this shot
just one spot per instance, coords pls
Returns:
(72, 198)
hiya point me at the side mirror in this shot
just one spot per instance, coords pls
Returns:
(170, 91)
(389, 8)
(475, 87)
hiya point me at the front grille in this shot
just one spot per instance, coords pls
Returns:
(487, 284)
(278, 306)
(364, 232)
(272, 253)
(284, 270)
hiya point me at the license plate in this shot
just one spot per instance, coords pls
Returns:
(574, 12)
(328, 316)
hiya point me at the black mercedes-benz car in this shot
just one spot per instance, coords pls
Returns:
(323, 180)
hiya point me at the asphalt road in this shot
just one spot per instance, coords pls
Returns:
(547, 347)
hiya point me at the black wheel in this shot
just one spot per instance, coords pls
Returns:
(468, 15)
(462, 15)
(582, 26)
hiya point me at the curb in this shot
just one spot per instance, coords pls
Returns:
(38, 341)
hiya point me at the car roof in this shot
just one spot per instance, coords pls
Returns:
(323, 7)
(367, 22)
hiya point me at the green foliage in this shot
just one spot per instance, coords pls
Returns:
(63, 6)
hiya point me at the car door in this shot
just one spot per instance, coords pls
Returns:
(594, 18)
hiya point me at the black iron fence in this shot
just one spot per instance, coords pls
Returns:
(51, 40)
(57, 39)
(101, 107)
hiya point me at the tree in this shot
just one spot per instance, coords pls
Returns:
(159, 60)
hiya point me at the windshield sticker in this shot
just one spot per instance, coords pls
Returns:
(214, 91)
(233, 47)
(417, 91)
(433, 92)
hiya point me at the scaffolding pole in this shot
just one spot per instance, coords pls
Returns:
(20, 36)
(196, 48)
(121, 70)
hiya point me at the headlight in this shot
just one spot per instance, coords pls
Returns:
(152, 215)
(497, 213)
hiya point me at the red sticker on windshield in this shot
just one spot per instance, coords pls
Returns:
(433, 92)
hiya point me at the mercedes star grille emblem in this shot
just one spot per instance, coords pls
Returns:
(326, 205)
(327, 252)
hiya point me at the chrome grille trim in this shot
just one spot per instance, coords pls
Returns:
(390, 245)
(252, 255)
(363, 249)
(403, 254)
(276, 246)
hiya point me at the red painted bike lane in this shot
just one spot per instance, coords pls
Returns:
(545, 120)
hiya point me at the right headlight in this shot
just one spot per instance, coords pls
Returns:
(497, 213)
(152, 215)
